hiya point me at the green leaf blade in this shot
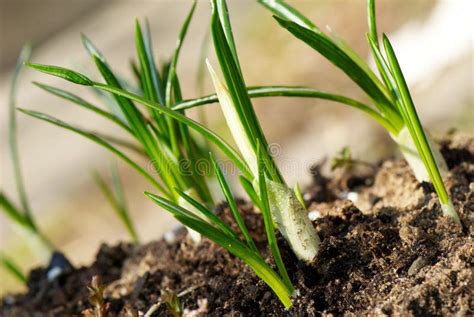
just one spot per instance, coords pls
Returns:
(232, 204)
(25, 55)
(331, 51)
(13, 269)
(63, 73)
(268, 220)
(416, 130)
(81, 102)
(116, 198)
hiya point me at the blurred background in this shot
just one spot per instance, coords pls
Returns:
(433, 39)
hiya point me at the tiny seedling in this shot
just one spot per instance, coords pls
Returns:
(116, 197)
(21, 215)
(172, 301)
(344, 159)
(96, 299)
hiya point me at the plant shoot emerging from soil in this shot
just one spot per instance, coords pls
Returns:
(163, 135)
(390, 95)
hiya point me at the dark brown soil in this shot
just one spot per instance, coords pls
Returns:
(389, 251)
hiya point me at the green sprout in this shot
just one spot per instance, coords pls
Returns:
(287, 212)
(173, 303)
(22, 215)
(96, 298)
(117, 200)
(390, 94)
(344, 159)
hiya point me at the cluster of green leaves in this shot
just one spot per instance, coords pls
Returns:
(163, 140)
(394, 109)
(199, 218)
(390, 94)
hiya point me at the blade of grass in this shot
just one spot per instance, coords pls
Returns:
(109, 99)
(150, 78)
(13, 268)
(63, 73)
(291, 91)
(99, 141)
(14, 213)
(200, 80)
(133, 116)
(366, 80)
(12, 132)
(81, 102)
(140, 126)
(234, 246)
(416, 130)
(240, 133)
(174, 61)
(225, 51)
(335, 50)
(232, 204)
(220, 7)
(235, 82)
(284, 10)
(117, 200)
(26, 224)
(173, 89)
(208, 215)
(268, 221)
(160, 85)
(384, 71)
(372, 22)
(248, 187)
(299, 195)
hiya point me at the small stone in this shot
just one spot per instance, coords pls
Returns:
(314, 214)
(417, 265)
(353, 196)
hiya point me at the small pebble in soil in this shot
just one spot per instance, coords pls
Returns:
(353, 196)
(314, 214)
(417, 265)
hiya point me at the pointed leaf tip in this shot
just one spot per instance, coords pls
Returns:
(63, 73)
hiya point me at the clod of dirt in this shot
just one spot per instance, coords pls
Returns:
(389, 253)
